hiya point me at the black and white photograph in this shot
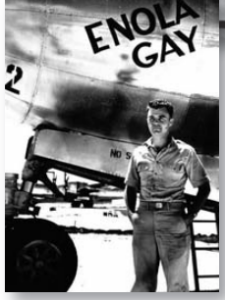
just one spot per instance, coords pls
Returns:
(112, 145)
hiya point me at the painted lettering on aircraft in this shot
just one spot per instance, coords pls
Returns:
(115, 153)
(17, 73)
(112, 214)
(128, 155)
(154, 17)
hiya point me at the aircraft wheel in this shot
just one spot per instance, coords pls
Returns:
(40, 257)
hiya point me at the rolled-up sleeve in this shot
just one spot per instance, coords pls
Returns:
(132, 177)
(195, 170)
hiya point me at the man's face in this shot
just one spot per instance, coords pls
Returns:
(159, 122)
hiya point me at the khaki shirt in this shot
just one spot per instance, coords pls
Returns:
(163, 175)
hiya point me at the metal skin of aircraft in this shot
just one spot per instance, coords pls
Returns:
(52, 74)
(81, 73)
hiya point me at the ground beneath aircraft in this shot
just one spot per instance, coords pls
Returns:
(105, 262)
(106, 265)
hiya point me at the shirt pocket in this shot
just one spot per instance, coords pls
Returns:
(145, 171)
(174, 173)
(179, 166)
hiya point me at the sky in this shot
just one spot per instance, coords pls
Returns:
(16, 136)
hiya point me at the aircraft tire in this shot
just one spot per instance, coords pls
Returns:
(40, 257)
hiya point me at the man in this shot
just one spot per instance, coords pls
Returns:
(159, 170)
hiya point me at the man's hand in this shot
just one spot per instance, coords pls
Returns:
(189, 219)
(201, 197)
(133, 216)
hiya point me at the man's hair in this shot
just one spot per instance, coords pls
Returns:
(160, 103)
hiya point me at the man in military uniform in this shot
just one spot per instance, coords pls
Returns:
(159, 170)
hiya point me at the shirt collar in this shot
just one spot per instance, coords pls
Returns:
(172, 144)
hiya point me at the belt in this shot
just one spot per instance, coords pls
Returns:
(162, 205)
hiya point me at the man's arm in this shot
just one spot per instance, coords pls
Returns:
(131, 199)
(201, 197)
(198, 177)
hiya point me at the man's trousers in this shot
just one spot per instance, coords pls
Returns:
(161, 235)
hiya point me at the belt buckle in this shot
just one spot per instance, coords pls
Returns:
(159, 205)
